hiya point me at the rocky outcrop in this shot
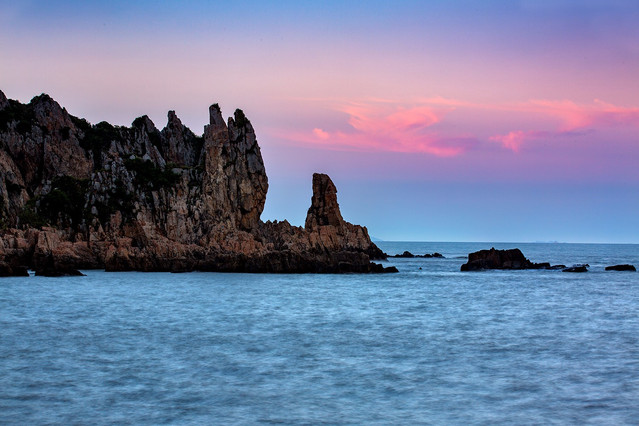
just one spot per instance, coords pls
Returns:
(500, 259)
(625, 267)
(75, 196)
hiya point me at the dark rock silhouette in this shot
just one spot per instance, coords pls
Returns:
(625, 267)
(80, 196)
(409, 255)
(63, 272)
(7, 270)
(406, 254)
(577, 268)
(556, 267)
(500, 259)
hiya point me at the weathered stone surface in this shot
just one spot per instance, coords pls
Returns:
(500, 259)
(625, 267)
(78, 196)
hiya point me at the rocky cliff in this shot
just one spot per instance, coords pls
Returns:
(76, 195)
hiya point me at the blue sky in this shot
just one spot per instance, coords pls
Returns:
(440, 120)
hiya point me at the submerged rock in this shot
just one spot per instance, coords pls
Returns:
(577, 268)
(625, 267)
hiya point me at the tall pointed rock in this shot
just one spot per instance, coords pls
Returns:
(235, 182)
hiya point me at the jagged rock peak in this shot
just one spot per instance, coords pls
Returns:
(324, 208)
(145, 123)
(48, 110)
(215, 117)
(240, 121)
(3, 100)
(174, 121)
(43, 98)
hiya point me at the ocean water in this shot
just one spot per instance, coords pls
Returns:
(424, 346)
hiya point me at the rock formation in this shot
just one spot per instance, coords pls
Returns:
(75, 195)
(500, 259)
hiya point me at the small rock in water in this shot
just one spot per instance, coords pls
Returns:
(406, 254)
(410, 255)
(557, 267)
(499, 259)
(625, 267)
(577, 268)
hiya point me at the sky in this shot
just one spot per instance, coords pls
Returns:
(494, 120)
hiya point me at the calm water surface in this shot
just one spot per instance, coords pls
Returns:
(425, 346)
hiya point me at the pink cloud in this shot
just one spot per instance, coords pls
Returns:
(321, 134)
(574, 119)
(381, 125)
(512, 140)
(384, 119)
(412, 126)
(580, 116)
(355, 141)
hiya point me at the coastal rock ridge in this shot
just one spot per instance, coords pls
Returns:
(75, 195)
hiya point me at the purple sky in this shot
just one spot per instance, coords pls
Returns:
(438, 121)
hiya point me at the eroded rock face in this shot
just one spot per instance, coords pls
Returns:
(75, 195)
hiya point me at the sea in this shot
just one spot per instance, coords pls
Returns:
(427, 345)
